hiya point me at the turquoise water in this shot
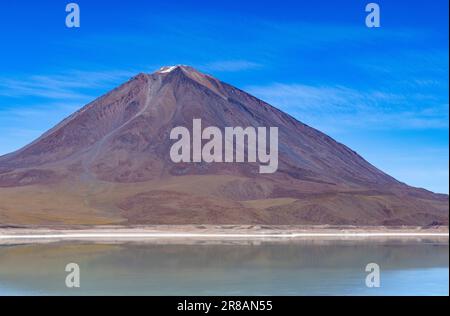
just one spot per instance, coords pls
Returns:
(408, 267)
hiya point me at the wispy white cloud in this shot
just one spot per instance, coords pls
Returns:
(230, 66)
(332, 108)
(413, 68)
(40, 111)
(71, 85)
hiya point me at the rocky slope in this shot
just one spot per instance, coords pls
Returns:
(109, 163)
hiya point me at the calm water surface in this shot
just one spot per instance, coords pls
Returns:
(408, 267)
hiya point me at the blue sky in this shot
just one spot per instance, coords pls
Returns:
(383, 92)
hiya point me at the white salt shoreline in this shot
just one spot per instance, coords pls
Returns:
(224, 236)
(220, 232)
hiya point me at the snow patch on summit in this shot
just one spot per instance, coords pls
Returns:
(167, 69)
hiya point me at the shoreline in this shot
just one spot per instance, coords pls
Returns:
(210, 232)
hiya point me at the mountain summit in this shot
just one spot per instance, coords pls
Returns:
(109, 163)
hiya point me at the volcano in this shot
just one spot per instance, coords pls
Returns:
(109, 163)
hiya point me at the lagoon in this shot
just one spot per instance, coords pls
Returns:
(295, 267)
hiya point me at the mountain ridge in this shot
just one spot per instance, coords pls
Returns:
(119, 142)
